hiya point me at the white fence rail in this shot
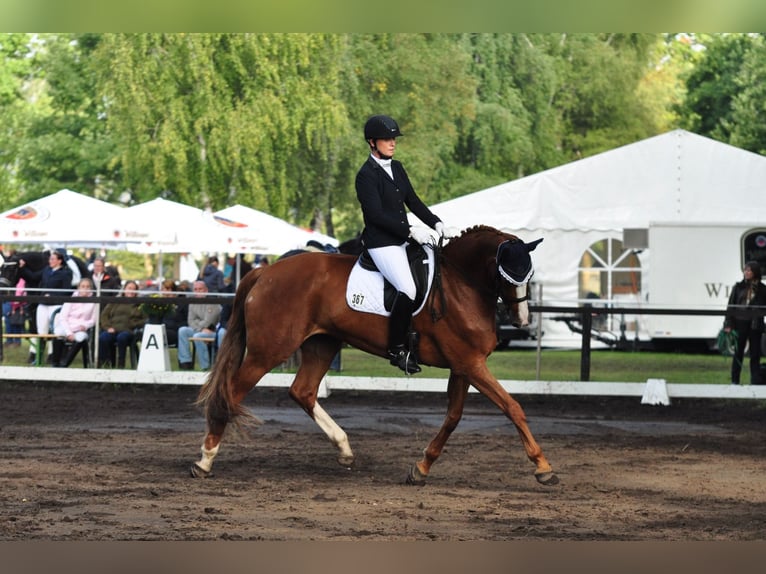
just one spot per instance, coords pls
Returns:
(654, 391)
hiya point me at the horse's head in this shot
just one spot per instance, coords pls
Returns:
(9, 272)
(496, 263)
(515, 270)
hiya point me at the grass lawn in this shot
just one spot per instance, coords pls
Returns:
(520, 364)
(557, 365)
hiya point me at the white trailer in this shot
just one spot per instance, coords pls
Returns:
(694, 266)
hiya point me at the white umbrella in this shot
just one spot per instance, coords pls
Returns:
(65, 217)
(254, 231)
(172, 227)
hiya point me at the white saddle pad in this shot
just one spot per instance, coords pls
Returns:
(364, 291)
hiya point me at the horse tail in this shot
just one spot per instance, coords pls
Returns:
(216, 395)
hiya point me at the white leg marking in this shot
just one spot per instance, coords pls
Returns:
(523, 307)
(336, 434)
(206, 462)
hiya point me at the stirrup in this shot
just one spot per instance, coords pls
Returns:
(405, 360)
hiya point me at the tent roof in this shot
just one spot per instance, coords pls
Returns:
(675, 177)
(64, 217)
(187, 228)
(258, 232)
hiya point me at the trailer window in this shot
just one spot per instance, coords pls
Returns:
(607, 271)
(754, 246)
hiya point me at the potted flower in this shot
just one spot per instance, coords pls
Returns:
(155, 311)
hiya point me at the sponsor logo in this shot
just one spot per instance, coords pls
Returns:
(229, 222)
(28, 213)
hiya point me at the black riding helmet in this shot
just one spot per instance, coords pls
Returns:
(381, 128)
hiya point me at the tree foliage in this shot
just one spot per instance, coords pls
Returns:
(274, 121)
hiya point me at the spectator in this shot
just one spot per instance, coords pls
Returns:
(72, 324)
(749, 292)
(223, 321)
(55, 279)
(177, 318)
(201, 322)
(212, 276)
(105, 279)
(16, 315)
(119, 322)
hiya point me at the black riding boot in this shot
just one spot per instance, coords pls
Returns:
(74, 348)
(398, 325)
(58, 350)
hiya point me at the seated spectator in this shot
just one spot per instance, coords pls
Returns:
(16, 315)
(226, 306)
(177, 318)
(201, 322)
(119, 322)
(72, 324)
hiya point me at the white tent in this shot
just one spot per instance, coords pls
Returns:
(677, 178)
(180, 228)
(254, 231)
(66, 218)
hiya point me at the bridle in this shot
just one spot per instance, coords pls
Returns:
(505, 276)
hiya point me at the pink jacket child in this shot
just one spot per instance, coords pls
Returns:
(74, 319)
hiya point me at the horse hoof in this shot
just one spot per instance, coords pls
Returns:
(547, 478)
(415, 477)
(346, 460)
(198, 472)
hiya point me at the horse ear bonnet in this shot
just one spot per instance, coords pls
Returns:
(514, 262)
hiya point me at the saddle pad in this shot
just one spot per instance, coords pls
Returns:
(364, 290)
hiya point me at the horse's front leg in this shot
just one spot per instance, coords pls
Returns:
(486, 384)
(457, 389)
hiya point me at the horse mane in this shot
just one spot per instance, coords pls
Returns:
(480, 229)
(467, 238)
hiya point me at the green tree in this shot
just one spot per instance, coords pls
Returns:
(598, 97)
(65, 144)
(17, 67)
(712, 85)
(747, 123)
(215, 119)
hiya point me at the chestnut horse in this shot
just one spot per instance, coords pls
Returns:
(299, 302)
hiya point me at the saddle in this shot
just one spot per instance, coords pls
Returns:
(367, 290)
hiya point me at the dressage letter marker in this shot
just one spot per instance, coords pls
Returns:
(154, 354)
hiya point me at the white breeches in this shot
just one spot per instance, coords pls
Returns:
(392, 263)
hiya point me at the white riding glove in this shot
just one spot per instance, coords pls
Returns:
(444, 232)
(421, 235)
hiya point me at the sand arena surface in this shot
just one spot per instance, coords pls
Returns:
(96, 463)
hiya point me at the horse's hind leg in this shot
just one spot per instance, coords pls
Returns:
(317, 354)
(222, 408)
(457, 389)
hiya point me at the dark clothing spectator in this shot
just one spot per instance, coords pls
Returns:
(119, 322)
(749, 292)
(175, 321)
(212, 276)
(51, 279)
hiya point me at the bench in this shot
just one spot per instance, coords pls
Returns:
(38, 347)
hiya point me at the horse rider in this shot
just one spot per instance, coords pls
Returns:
(383, 189)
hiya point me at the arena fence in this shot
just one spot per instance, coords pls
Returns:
(653, 391)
